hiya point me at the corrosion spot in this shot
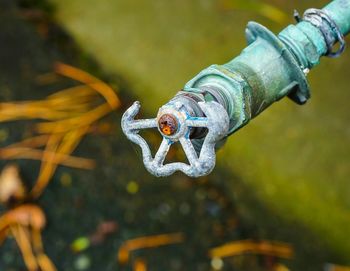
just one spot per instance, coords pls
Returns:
(167, 124)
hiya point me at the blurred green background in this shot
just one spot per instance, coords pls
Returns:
(288, 171)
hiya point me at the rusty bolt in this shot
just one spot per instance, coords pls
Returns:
(167, 124)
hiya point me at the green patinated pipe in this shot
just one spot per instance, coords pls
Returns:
(340, 12)
(270, 68)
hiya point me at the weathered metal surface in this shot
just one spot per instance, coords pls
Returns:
(216, 121)
(339, 11)
(270, 68)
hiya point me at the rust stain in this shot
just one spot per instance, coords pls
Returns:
(168, 124)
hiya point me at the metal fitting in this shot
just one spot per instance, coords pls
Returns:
(223, 98)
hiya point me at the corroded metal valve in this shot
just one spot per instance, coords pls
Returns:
(223, 98)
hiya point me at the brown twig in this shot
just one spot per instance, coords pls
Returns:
(25, 224)
(10, 153)
(70, 114)
(147, 242)
(60, 145)
(277, 249)
(66, 125)
(105, 90)
(23, 241)
(139, 265)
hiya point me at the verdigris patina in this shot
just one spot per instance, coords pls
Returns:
(223, 98)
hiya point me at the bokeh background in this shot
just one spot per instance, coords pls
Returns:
(284, 177)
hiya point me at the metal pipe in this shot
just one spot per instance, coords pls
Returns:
(223, 98)
(339, 11)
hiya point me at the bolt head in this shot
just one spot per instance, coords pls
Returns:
(168, 124)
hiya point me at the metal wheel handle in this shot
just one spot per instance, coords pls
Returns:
(216, 121)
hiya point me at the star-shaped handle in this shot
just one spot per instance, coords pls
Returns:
(216, 121)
